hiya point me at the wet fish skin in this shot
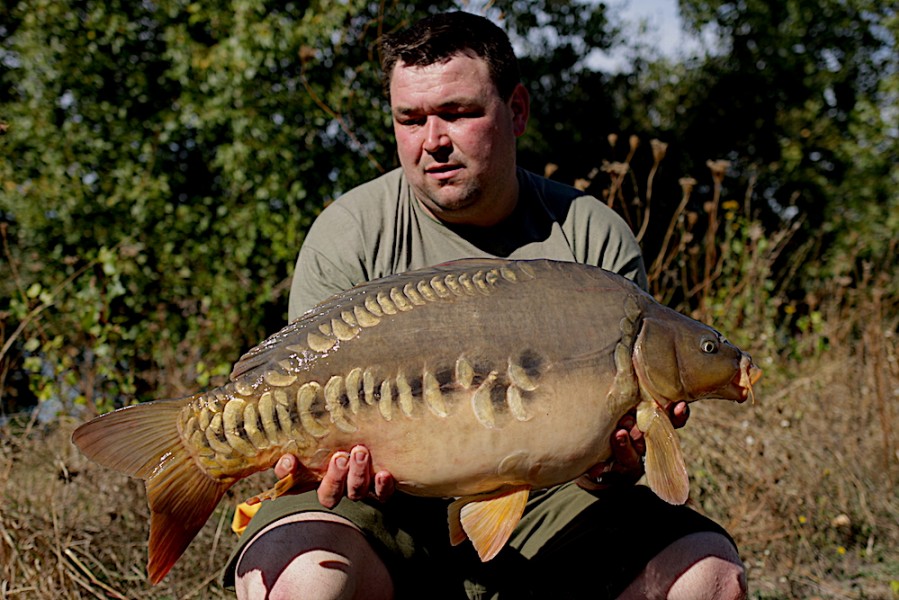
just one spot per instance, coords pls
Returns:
(518, 371)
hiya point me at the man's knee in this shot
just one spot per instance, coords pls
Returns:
(697, 566)
(311, 555)
(711, 577)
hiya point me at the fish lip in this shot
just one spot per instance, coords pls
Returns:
(736, 391)
(744, 379)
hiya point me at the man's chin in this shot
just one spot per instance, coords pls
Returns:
(449, 203)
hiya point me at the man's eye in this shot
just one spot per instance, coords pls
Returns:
(460, 115)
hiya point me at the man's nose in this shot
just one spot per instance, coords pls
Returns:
(436, 137)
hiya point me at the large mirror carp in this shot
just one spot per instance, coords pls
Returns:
(478, 379)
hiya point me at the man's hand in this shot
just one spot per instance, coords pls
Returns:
(628, 449)
(349, 474)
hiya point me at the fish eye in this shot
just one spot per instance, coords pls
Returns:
(708, 346)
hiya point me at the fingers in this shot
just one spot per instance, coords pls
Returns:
(333, 484)
(628, 448)
(286, 465)
(359, 475)
(385, 485)
(679, 413)
(626, 452)
(349, 474)
(628, 445)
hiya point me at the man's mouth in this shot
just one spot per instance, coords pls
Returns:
(593, 479)
(443, 171)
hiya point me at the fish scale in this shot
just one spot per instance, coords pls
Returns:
(480, 379)
(244, 428)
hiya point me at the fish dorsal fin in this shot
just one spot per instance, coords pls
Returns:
(487, 520)
(666, 471)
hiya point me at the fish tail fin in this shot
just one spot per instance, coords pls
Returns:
(143, 441)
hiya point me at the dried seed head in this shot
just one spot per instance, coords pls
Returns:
(549, 169)
(306, 54)
(686, 185)
(613, 139)
(581, 183)
(634, 141)
(692, 217)
(756, 232)
(718, 169)
(615, 168)
(658, 150)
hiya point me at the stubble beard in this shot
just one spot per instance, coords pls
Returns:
(461, 198)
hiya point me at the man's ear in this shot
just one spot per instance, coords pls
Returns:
(520, 103)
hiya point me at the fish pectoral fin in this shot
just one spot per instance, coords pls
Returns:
(488, 519)
(666, 471)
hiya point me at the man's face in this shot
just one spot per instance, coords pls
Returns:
(456, 138)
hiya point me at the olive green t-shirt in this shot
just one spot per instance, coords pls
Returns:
(379, 229)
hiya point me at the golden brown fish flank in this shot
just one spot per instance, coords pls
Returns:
(518, 370)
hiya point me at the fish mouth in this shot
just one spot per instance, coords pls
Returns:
(744, 379)
(739, 388)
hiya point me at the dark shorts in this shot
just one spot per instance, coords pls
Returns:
(569, 544)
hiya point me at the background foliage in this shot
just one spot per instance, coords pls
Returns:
(161, 161)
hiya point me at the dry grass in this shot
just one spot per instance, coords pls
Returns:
(71, 529)
(805, 479)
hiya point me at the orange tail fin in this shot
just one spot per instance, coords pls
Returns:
(143, 441)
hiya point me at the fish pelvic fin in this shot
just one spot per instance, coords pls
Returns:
(143, 441)
(488, 520)
(666, 471)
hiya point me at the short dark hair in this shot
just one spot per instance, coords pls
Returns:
(440, 37)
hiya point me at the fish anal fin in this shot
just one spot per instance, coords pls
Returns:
(302, 480)
(487, 520)
(457, 534)
(666, 471)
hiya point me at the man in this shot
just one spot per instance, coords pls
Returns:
(458, 107)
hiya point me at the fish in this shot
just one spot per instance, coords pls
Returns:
(479, 380)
